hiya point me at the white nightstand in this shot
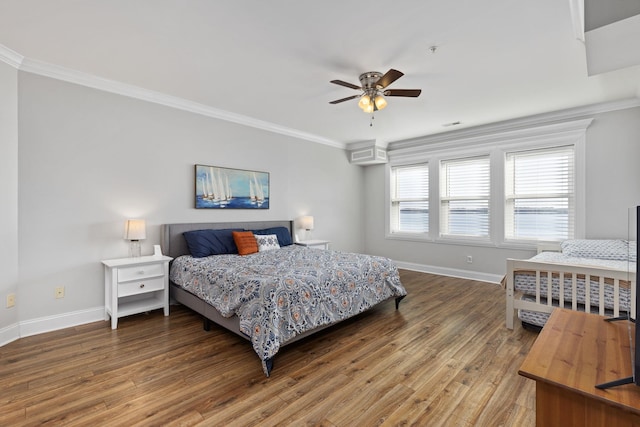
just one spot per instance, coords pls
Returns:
(320, 244)
(135, 285)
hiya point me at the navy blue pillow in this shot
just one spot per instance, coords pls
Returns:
(284, 236)
(203, 243)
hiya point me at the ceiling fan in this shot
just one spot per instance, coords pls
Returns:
(373, 87)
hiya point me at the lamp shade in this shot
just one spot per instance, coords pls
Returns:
(135, 229)
(380, 102)
(306, 222)
(364, 101)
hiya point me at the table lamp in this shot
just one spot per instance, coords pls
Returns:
(134, 231)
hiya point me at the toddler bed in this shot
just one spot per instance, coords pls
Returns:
(277, 293)
(607, 266)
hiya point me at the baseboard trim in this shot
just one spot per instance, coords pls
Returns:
(9, 334)
(60, 321)
(451, 272)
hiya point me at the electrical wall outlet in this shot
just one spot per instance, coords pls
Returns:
(59, 292)
(11, 300)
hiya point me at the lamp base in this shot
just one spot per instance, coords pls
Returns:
(135, 249)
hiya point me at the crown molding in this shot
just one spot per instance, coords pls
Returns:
(500, 130)
(10, 57)
(551, 133)
(131, 91)
(576, 8)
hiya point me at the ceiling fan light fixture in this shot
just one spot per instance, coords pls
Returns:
(380, 102)
(374, 90)
(364, 102)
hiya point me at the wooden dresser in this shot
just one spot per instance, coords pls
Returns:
(574, 352)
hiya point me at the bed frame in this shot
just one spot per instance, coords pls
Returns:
(174, 245)
(543, 303)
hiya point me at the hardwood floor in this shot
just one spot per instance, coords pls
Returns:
(445, 358)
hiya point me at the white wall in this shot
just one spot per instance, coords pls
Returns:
(613, 172)
(8, 197)
(612, 185)
(89, 159)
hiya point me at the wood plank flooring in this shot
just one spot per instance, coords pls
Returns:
(445, 358)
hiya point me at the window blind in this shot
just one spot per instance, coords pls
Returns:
(540, 194)
(410, 199)
(464, 197)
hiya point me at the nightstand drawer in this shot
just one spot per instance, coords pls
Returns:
(140, 272)
(140, 286)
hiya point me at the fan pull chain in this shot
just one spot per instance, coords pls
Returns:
(371, 122)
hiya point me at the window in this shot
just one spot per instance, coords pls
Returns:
(410, 199)
(464, 197)
(540, 194)
(510, 189)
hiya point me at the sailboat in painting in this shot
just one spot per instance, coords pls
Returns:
(255, 190)
(205, 191)
(227, 188)
(215, 187)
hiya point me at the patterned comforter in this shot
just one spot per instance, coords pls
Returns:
(279, 294)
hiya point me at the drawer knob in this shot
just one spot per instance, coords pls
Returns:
(141, 285)
(140, 271)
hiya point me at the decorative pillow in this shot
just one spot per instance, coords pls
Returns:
(594, 248)
(284, 236)
(267, 242)
(202, 243)
(246, 242)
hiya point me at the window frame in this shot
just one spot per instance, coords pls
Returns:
(496, 145)
(511, 197)
(392, 181)
(444, 197)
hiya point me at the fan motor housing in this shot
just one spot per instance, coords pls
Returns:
(369, 79)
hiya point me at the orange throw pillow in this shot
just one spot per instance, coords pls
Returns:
(246, 242)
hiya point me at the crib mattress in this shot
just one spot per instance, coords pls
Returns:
(525, 282)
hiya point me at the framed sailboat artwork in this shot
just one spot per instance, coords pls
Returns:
(224, 188)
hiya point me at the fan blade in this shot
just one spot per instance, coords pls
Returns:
(346, 84)
(389, 77)
(403, 92)
(337, 101)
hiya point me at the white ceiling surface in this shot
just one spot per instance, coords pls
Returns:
(272, 60)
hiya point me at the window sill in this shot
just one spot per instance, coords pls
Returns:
(480, 242)
(415, 237)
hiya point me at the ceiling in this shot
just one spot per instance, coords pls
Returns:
(271, 61)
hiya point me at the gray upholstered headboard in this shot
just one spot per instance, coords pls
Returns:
(173, 242)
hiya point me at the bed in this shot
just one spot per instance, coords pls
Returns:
(273, 297)
(607, 266)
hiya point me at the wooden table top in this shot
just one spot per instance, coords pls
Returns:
(578, 350)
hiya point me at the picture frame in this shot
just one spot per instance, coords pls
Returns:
(226, 188)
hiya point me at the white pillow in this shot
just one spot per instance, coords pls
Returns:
(267, 242)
